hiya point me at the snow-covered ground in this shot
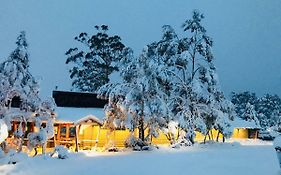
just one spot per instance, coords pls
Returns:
(243, 158)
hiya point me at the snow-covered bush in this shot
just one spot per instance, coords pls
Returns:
(181, 143)
(12, 157)
(268, 134)
(40, 138)
(36, 139)
(277, 143)
(15, 157)
(110, 146)
(171, 131)
(61, 152)
(135, 143)
(183, 140)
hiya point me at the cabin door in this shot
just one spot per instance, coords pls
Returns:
(252, 133)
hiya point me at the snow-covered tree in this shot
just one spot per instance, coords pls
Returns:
(269, 110)
(173, 83)
(172, 79)
(240, 101)
(200, 97)
(17, 79)
(139, 96)
(18, 82)
(96, 61)
(190, 96)
(211, 106)
(250, 114)
(197, 44)
(267, 107)
(190, 82)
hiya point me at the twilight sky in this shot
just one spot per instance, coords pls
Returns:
(247, 34)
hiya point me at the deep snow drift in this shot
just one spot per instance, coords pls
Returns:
(246, 158)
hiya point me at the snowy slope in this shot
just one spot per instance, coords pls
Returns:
(217, 159)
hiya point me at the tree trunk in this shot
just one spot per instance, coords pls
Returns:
(217, 139)
(211, 134)
(141, 122)
(77, 128)
(178, 134)
(44, 146)
(35, 149)
(141, 129)
(21, 139)
(169, 137)
(205, 137)
(193, 67)
(208, 134)
(191, 139)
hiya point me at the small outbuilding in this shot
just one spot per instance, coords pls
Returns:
(243, 129)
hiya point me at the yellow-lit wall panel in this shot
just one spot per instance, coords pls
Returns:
(240, 133)
(88, 136)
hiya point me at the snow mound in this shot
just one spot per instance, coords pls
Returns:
(61, 152)
(277, 143)
(12, 157)
(3, 131)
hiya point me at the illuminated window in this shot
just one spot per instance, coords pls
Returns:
(72, 132)
(63, 131)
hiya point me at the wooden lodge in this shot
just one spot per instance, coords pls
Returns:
(85, 120)
(79, 125)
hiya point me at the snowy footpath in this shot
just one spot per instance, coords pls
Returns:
(244, 158)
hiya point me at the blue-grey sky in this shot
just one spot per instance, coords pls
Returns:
(247, 34)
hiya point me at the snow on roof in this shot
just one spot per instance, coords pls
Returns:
(73, 115)
(88, 119)
(239, 123)
(16, 113)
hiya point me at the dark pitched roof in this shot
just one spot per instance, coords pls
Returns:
(77, 99)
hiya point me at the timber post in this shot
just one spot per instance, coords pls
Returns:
(77, 128)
